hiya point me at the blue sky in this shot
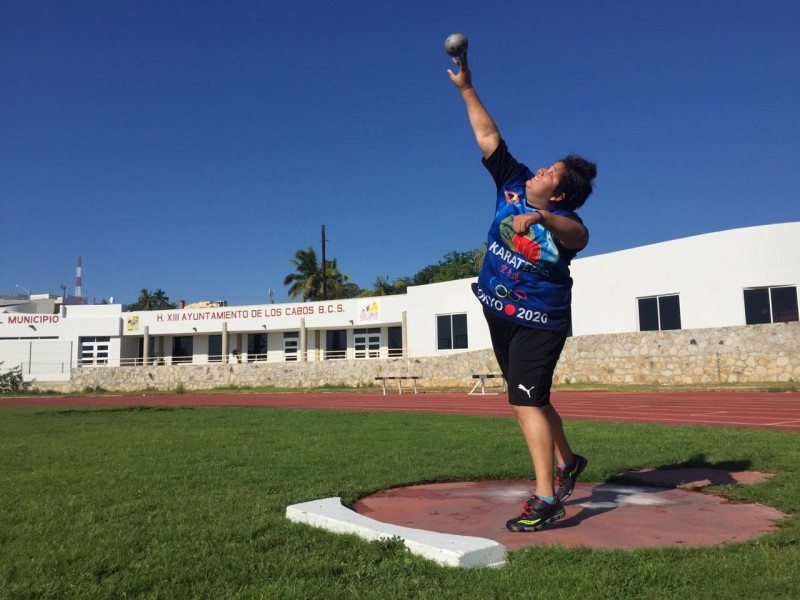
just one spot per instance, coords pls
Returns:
(196, 146)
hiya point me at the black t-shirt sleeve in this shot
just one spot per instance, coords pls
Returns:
(501, 165)
(569, 252)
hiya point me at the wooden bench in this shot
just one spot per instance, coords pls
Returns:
(400, 379)
(482, 377)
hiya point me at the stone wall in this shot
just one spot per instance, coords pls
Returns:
(751, 354)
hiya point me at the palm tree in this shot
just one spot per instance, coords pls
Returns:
(383, 287)
(306, 281)
(400, 285)
(143, 302)
(161, 300)
(351, 290)
(336, 282)
(148, 300)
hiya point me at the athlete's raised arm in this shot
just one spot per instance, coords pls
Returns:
(486, 133)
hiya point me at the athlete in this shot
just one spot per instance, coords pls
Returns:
(525, 288)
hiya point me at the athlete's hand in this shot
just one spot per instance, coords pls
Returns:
(462, 79)
(522, 223)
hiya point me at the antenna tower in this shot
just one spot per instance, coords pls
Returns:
(78, 292)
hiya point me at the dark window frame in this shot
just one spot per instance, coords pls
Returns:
(452, 332)
(395, 341)
(335, 344)
(659, 313)
(770, 304)
(182, 349)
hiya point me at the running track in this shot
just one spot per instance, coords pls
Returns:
(723, 408)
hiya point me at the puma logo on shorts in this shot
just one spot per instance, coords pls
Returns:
(526, 390)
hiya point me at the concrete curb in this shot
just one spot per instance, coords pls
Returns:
(446, 549)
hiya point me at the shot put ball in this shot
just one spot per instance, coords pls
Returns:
(456, 44)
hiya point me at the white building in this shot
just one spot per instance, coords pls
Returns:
(738, 277)
(715, 279)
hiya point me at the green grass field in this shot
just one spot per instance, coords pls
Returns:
(189, 503)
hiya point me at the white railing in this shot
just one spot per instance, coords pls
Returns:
(277, 356)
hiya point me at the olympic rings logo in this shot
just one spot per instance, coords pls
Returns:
(502, 291)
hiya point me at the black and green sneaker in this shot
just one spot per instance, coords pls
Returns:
(536, 513)
(567, 476)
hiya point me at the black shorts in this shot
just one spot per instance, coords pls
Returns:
(527, 359)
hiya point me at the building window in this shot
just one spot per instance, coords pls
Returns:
(256, 347)
(182, 349)
(215, 348)
(659, 313)
(451, 332)
(770, 305)
(290, 344)
(336, 344)
(395, 341)
(367, 342)
(94, 351)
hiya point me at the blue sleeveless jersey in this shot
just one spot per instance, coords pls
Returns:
(525, 278)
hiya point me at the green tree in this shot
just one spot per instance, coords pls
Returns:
(454, 265)
(143, 302)
(338, 285)
(383, 287)
(161, 300)
(351, 290)
(400, 285)
(306, 281)
(147, 300)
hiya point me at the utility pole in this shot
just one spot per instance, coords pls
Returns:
(324, 268)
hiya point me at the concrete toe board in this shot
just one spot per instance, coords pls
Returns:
(598, 515)
(444, 548)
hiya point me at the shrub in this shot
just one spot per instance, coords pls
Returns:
(11, 380)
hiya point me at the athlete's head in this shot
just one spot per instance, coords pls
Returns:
(575, 182)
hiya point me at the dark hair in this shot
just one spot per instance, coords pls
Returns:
(576, 181)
